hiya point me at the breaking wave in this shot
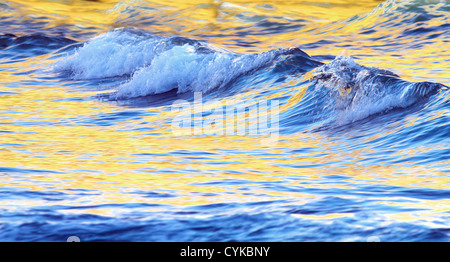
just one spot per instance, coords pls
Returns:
(355, 92)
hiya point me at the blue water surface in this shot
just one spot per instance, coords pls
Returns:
(362, 145)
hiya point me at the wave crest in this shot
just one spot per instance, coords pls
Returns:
(155, 64)
(356, 91)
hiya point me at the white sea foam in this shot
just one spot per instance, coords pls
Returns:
(158, 64)
(356, 91)
(183, 69)
(115, 53)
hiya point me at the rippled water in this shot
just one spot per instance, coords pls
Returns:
(351, 137)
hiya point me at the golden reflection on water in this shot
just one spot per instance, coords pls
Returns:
(112, 160)
(221, 18)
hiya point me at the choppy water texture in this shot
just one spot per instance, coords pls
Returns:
(88, 149)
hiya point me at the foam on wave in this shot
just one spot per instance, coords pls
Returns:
(157, 64)
(183, 69)
(356, 91)
(111, 54)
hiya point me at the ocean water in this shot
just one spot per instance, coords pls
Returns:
(221, 121)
